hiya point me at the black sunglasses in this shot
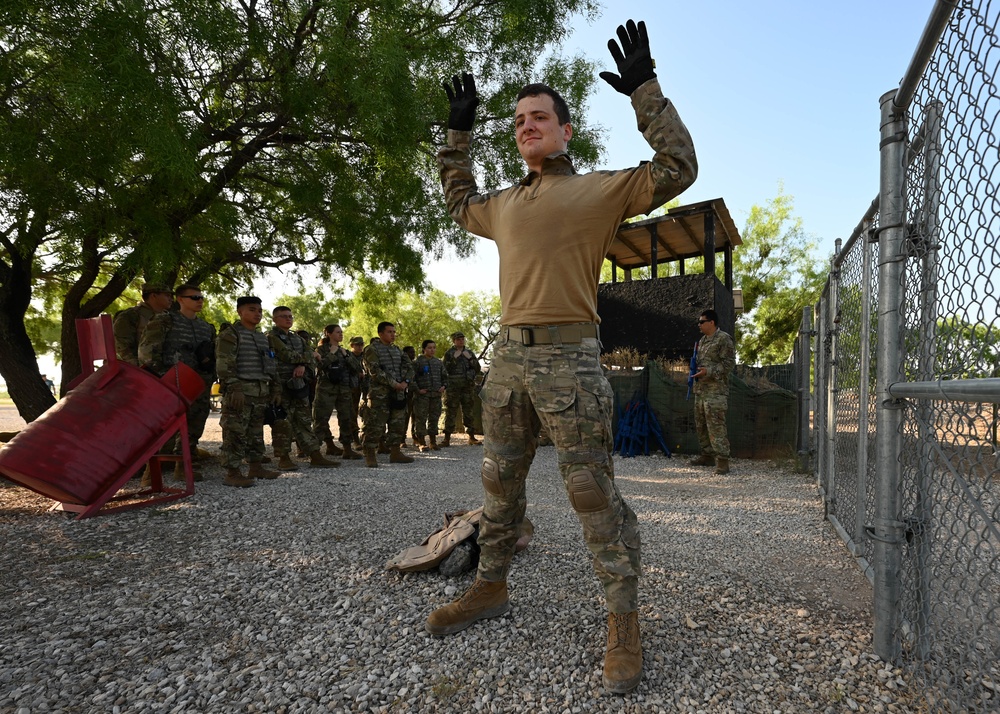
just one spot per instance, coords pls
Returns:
(192, 297)
(702, 322)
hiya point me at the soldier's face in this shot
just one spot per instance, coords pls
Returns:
(336, 335)
(430, 349)
(283, 319)
(459, 343)
(160, 302)
(707, 327)
(192, 301)
(250, 314)
(537, 130)
(388, 335)
(357, 348)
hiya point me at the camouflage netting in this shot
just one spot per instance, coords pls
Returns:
(762, 416)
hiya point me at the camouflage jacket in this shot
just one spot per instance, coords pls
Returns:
(460, 368)
(290, 351)
(258, 358)
(717, 354)
(561, 215)
(376, 371)
(338, 366)
(129, 324)
(170, 338)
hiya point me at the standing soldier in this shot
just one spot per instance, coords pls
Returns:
(182, 336)
(359, 386)
(428, 379)
(390, 371)
(716, 360)
(338, 371)
(246, 367)
(462, 368)
(131, 322)
(411, 354)
(296, 366)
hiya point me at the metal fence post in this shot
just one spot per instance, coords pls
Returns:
(804, 359)
(864, 379)
(887, 530)
(819, 412)
(832, 326)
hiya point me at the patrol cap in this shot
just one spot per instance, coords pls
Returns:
(357, 340)
(456, 335)
(153, 288)
(247, 300)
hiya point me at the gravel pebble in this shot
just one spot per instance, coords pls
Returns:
(275, 599)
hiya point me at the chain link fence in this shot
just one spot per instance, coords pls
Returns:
(906, 380)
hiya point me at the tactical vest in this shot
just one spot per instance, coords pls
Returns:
(295, 344)
(254, 358)
(336, 367)
(183, 338)
(390, 358)
(460, 368)
(429, 373)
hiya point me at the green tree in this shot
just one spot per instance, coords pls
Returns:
(171, 141)
(779, 272)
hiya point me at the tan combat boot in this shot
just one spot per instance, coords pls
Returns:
(446, 441)
(396, 456)
(179, 473)
(349, 453)
(383, 448)
(423, 446)
(234, 477)
(721, 465)
(316, 459)
(434, 443)
(332, 449)
(258, 471)
(473, 441)
(703, 460)
(483, 600)
(370, 460)
(623, 657)
(285, 463)
(147, 478)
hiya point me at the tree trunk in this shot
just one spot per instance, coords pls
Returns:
(18, 361)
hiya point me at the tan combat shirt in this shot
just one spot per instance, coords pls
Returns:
(553, 230)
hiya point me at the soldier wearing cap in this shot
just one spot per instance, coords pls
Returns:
(130, 323)
(338, 372)
(359, 386)
(552, 230)
(181, 335)
(296, 368)
(462, 368)
(247, 375)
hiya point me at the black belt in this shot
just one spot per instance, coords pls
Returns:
(549, 335)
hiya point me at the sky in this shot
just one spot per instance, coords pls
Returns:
(779, 95)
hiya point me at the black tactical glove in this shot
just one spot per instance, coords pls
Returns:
(463, 101)
(633, 59)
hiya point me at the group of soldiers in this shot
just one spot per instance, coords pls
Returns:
(280, 379)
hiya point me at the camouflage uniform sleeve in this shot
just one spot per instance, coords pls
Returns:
(408, 372)
(449, 362)
(151, 343)
(226, 347)
(469, 208)
(374, 368)
(125, 328)
(675, 166)
(354, 364)
(725, 358)
(326, 355)
(284, 353)
(474, 363)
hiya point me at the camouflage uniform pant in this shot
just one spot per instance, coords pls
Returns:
(329, 397)
(243, 430)
(563, 387)
(377, 417)
(197, 415)
(426, 414)
(710, 423)
(459, 394)
(298, 426)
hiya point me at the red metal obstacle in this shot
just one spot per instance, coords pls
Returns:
(114, 420)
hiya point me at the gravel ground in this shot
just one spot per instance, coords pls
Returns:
(274, 599)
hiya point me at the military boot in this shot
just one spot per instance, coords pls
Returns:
(179, 473)
(623, 657)
(332, 449)
(383, 448)
(258, 471)
(235, 477)
(703, 460)
(721, 465)
(446, 441)
(370, 460)
(396, 456)
(473, 441)
(349, 453)
(147, 478)
(285, 463)
(434, 443)
(423, 446)
(316, 459)
(483, 600)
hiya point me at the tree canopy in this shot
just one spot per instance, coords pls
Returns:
(205, 141)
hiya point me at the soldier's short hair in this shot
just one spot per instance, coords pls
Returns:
(280, 308)
(186, 287)
(383, 325)
(710, 315)
(538, 89)
(423, 345)
(247, 300)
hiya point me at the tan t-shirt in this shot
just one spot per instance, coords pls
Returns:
(553, 229)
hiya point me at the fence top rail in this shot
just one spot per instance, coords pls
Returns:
(936, 24)
(856, 234)
(985, 390)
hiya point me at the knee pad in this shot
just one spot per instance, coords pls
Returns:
(585, 494)
(491, 477)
